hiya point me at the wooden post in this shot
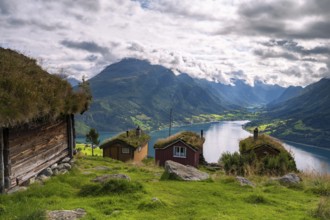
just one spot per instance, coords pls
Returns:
(6, 159)
(70, 135)
(2, 165)
(73, 132)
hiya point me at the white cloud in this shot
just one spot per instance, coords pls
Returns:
(206, 39)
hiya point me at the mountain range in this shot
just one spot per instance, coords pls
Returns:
(134, 92)
(304, 118)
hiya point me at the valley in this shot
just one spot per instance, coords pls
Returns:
(134, 93)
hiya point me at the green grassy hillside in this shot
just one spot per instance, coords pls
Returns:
(219, 198)
(134, 92)
(304, 118)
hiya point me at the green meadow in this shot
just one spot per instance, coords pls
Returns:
(147, 196)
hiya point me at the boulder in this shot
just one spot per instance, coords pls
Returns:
(66, 160)
(65, 166)
(243, 181)
(106, 177)
(63, 171)
(55, 172)
(47, 172)
(54, 166)
(183, 172)
(66, 214)
(290, 178)
(42, 178)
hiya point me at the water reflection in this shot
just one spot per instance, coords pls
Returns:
(223, 137)
(310, 158)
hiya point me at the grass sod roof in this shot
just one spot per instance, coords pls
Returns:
(248, 144)
(132, 139)
(190, 138)
(28, 93)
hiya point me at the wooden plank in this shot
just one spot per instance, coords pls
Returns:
(20, 168)
(16, 180)
(25, 141)
(37, 149)
(21, 132)
(22, 178)
(45, 153)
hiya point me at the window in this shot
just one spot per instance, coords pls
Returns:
(125, 150)
(179, 152)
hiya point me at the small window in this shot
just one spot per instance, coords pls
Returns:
(125, 150)
(179, 151)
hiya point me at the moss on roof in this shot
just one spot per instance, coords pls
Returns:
(28, 93)
(249, 143)
(190, 138)
(132, 139)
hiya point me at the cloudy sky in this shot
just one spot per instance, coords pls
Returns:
(278, 41)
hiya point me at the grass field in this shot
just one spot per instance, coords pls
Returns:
(87, 150)
(221, 197)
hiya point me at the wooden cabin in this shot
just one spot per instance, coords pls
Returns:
(129, 145)
(184, 147)
(36, 118)
(30, 148)
(264, 150)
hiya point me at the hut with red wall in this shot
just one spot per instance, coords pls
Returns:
(184, 147)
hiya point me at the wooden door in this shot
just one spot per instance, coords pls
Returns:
(114, 152)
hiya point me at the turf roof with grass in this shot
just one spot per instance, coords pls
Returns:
(190, 138)
(249, 144)
(131, 139)
(28, 93)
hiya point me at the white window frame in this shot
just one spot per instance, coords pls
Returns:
(180, 152)
(125, 150)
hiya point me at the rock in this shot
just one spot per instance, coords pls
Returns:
(17, 189)
(42, 178)
(72, 161)
(54, 166)
(31, 180)
(66, 214)
(55, 172)
(106, 177)
(87, 173)
(183, 172)
(102, 168)
(66, 160)
(67, 166)
(47, 172)
(290, 178)
(63, 171)
(243, 181)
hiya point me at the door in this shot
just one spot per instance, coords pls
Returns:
(114, 152)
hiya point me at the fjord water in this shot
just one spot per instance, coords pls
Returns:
(224, 136)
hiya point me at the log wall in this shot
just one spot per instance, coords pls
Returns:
(32, 149)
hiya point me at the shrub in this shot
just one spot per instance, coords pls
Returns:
(256, 199)
(323, 209)
(113, 186)
(320, 187)
(247, 164)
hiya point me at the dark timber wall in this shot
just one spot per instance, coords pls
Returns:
(29, 149)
